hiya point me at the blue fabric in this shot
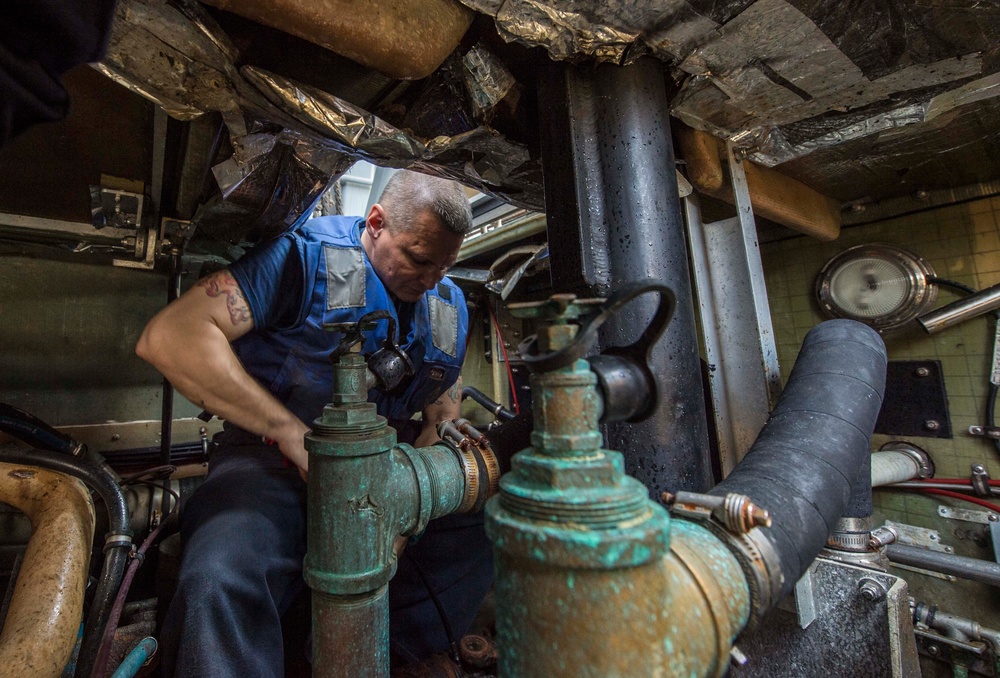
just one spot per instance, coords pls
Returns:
(244, 530)
(293, 360)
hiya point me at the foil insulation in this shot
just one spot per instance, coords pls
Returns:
(782, 78)
(292, 141)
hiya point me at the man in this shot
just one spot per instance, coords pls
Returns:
(248, 344)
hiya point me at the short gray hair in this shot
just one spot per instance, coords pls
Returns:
(407, 194)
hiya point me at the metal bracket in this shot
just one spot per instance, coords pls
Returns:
(985, 431)
(968, 515)
(911, 535)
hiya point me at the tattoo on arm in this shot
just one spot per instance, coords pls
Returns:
(223, 284)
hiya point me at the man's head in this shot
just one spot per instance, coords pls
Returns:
(413, 233)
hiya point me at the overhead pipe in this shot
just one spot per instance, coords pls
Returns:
(40, 630)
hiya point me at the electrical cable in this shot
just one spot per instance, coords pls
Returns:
(449, 633)
(506, 361)
(958, 495)
(104, 649)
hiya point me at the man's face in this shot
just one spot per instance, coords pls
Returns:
(413, 260)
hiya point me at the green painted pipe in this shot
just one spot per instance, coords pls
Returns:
(364, 491)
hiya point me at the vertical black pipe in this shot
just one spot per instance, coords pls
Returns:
(167, 410)
(614, 217)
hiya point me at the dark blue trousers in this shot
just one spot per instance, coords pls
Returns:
(244, 537)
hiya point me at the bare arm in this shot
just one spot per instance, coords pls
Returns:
(447, 406)
(189, 343)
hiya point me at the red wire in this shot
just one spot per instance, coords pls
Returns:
(955, 495)
(506, 361)
(954, 481)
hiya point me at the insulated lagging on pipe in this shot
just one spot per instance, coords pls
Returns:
(807, 458)
(117, 545)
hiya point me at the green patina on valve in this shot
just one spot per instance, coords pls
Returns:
(364, 491)
(588, 580)
(566, 500)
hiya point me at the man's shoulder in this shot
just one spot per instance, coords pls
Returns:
(333, 229)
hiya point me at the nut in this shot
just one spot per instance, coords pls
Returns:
(871, 590)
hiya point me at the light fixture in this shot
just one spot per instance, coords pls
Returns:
(883, 286)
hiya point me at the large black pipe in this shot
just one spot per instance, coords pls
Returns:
(806, 459)
(116, 551)
(613, 217)
(35, 432)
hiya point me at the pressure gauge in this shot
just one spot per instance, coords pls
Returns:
(883, 286)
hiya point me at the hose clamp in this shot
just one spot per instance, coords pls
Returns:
(118, 540)
(736, 522)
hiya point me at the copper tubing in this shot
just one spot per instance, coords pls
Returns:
(47, 606)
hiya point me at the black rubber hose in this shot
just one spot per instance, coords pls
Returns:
(116, 553)
(495, 408)
(35, 432)
(807, 458)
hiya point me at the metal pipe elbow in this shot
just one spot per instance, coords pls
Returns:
(709, 601)
(47, 604)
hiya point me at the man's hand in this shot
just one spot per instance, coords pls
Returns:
(189, 343)
(447, 407)
(292, 445)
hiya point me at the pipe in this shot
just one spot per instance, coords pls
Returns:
(890, 467)
(44, 614)
(104, 650)
(613, 217)
(982, 571)
(805, 460)
(959, 311)
(117, 544)
(495, 408)
(364, 492)
(167, 406)
(36, 432)
(136, 658)
(592, 577)
(967, 628)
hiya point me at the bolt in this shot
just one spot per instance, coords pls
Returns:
(857, 207)
(922, 372)
(933, 650)
(932, 425)
(992, 517)
(871, 590)
(979, 468)
(921, 195)
(115, 437)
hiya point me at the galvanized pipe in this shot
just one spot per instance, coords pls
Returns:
(959, 311)
(982, 571)
(45, 611)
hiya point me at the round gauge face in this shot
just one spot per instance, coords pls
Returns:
(881, 285)
(869, 287)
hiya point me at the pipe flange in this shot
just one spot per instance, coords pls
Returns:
(925, 465)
